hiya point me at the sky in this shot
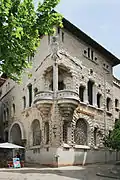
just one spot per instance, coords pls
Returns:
(100, 19)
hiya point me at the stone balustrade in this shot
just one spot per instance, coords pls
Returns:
(43, 95)
(67, 94)
(61, 95)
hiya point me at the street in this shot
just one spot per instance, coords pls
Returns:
(66, 173)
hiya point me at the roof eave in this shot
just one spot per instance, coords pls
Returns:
(81, 35)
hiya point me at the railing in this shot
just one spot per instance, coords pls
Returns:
(62, 94)
(67, 94)
(43, 95)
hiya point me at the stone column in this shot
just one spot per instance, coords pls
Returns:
(55, 77)
(55, 48)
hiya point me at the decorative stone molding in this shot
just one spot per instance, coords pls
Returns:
(73, 59)
(44, 109)
(67, 101)
(43, 95)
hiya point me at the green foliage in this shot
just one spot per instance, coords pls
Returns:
(113, 139)
(21, 27)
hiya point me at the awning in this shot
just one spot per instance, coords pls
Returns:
(10, 146)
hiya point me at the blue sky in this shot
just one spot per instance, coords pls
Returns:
(100, 19)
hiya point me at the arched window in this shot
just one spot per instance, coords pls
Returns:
(36, 132)
(46, 131)
(108, 103)
(80, 134)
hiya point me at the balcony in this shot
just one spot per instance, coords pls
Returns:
(68, 101)
(43, 101)
(67, 96)
(43, 96)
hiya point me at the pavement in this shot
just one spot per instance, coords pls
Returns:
(65, 173)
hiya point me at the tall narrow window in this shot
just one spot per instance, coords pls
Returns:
(98, 100)
(81, 93)
(90, 92)
(108, 104)
(92, 56)
(24, 102)
(88, 52)
(116, 103)
(30, 94)
(13, 109)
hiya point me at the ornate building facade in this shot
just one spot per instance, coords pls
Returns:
(66, 103)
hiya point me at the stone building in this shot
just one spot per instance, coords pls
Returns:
(66, 103)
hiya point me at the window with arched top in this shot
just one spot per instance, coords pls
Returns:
(46, 132)
(108, 103)
(36, 132)
(80, 133)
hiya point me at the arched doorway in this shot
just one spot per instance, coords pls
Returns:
(16, 134)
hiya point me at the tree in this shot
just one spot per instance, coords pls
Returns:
(21, 28)
(113, 139)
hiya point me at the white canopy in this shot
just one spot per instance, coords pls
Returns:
(10, 146)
